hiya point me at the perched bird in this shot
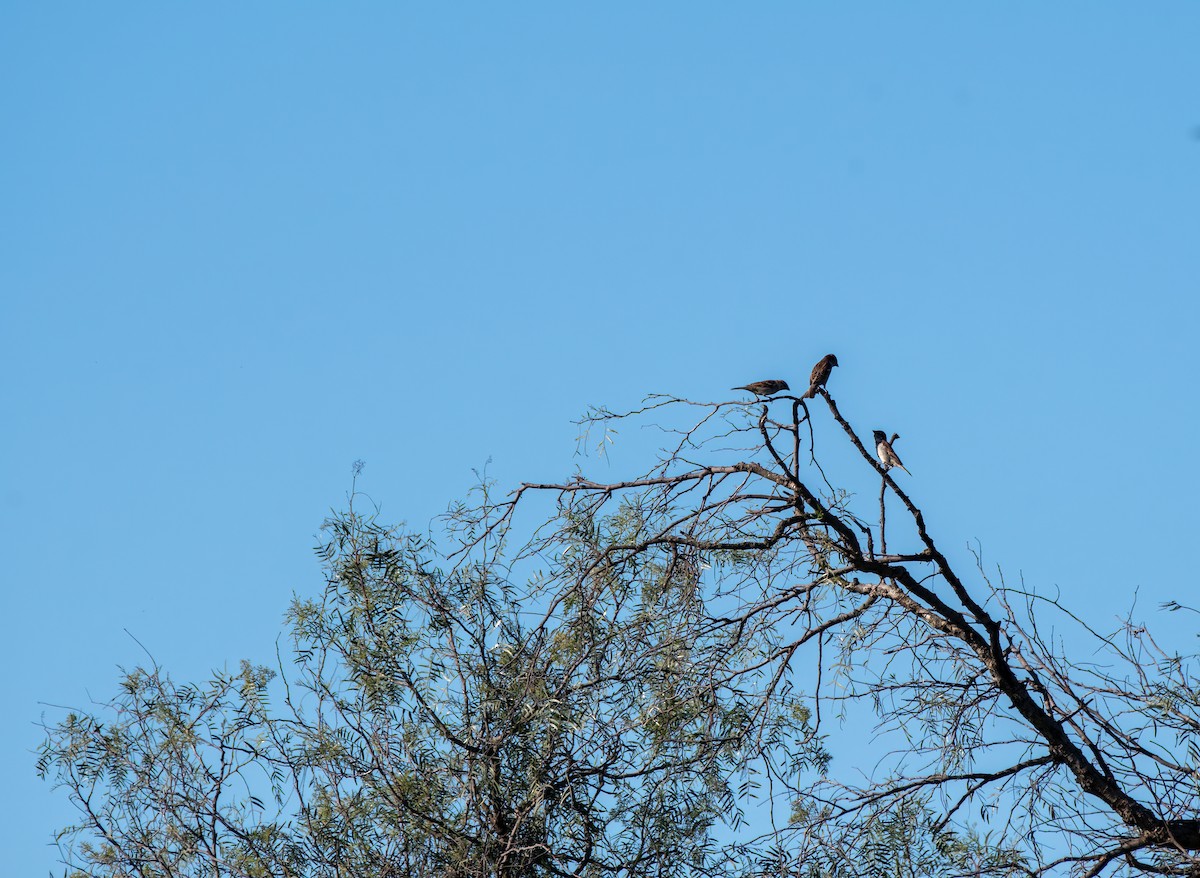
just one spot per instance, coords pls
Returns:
(883, 448)
(820, 374)
(765, 388)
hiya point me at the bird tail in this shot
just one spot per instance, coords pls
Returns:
(903, 467)
(810, 393)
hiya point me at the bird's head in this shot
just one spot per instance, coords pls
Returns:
(880, 436)
(832, 360)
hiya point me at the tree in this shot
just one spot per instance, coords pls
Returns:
(638, 678)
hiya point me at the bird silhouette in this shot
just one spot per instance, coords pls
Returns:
(765, 388)
(820, 374)
(883, 447)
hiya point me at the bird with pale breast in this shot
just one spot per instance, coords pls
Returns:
(887, 456)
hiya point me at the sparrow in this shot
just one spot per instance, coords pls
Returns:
(820, 374)
(883, 448)
(765, 388)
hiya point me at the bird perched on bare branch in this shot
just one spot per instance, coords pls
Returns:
(883, 447)
(820, 374)
(765, 388)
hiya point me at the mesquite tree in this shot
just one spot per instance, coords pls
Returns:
(639, 677)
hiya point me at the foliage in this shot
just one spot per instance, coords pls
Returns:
(640, 678)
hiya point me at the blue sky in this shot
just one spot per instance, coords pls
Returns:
(244, 246)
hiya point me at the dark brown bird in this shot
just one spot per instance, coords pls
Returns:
(820, 374)
(765, 388)
(887, 456)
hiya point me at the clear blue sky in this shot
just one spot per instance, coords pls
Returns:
(245, 245)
